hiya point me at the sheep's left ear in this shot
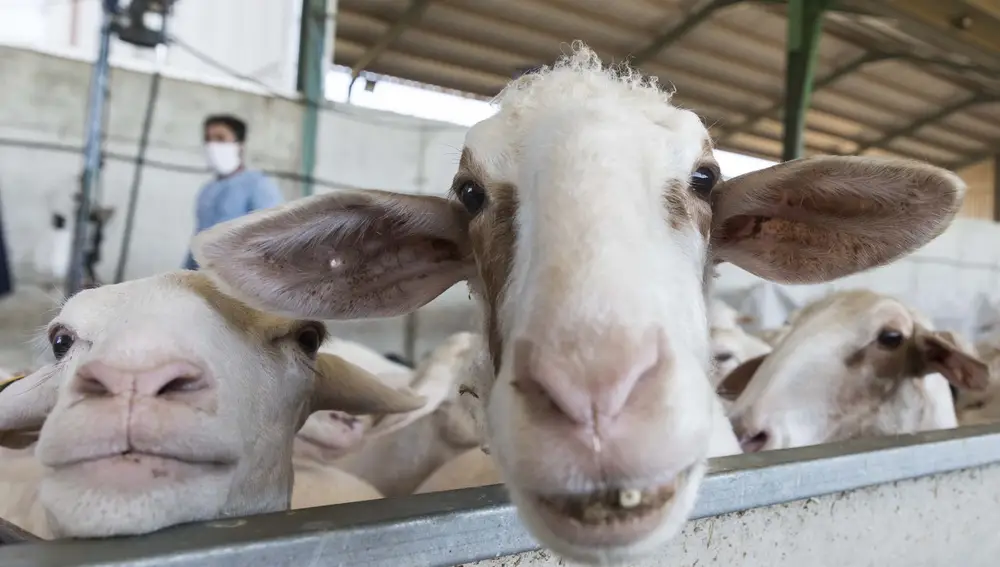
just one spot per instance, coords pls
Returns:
(340, 255)
(939, 352)
(25, 402)
(817, 219)
(736, 381)
(346, 387)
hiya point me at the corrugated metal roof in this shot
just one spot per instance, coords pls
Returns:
(882, 88)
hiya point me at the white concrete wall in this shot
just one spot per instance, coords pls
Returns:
(43, 101)
(257, 38)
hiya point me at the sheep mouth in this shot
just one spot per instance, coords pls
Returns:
(613, 517)
(133, 457)
(610, 506)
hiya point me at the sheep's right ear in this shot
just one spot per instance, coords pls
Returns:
(817, 219)
(345, 387)
(736, 381)
(342, 255)
(940, 352)
(25, 402)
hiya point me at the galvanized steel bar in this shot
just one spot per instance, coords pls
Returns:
(463, 526)
(996, 187)
(805, 26)
(312, 78)
(11, 534)
(92, 149)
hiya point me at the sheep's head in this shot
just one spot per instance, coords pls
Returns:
(585, 216)
(170, 402)
(327, 436)
(732, 347)
(853, 364)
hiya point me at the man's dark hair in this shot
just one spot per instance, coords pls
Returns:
(237, 126)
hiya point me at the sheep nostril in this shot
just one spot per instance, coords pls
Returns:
(754, 443)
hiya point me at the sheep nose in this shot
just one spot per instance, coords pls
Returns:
(589, 381)
(751, 440)
(99, 379)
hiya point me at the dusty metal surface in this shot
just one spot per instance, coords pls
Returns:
(464, 526)
(11, 534)
(726, 59)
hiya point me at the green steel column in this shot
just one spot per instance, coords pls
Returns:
(805, 27)
(310, 83)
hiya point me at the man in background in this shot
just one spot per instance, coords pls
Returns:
(236, 190)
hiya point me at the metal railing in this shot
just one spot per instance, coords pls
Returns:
(462, 526)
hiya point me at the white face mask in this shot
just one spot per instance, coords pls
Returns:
(223, 157)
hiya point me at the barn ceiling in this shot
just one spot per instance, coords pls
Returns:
(914, 78)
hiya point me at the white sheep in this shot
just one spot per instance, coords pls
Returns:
(853, 364)
(732, 347)
(417, 442)
(392, 373)
(585, 216)
(170, 402)
(468, 470)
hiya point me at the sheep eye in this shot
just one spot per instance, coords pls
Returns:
(472, 196)
(723, 357)
(702, 181)
(890, 339)
(61, 340)
(309, 338)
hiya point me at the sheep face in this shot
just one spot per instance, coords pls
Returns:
(854, 364)
(170, 402)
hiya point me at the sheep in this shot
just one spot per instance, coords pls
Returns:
(398, 359)
(732, 347)
(415, 442)
(468, 470)
(418, 442)
(318, 485)
(722, 316)
(171, 402)
(771, 337)
(585, 216)
(853, 364)
(20, 476)
(392, 373)
(977, 407)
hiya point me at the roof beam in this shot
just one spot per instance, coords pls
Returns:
(913, 127)
(993, 149)
(934, 21)
(411, 16)
(674, 34)
(770, 112)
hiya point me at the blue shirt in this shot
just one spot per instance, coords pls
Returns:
(231, 197)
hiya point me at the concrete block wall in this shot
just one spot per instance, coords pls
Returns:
(44, 101)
